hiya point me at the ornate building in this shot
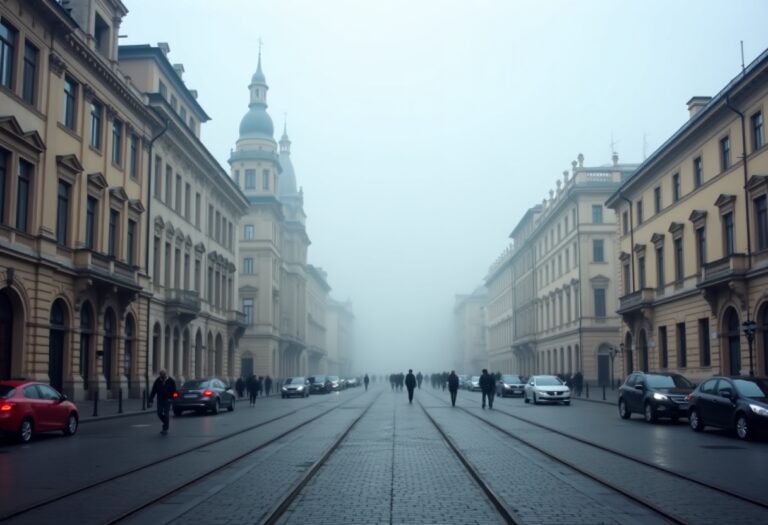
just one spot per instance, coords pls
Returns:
(469, 321)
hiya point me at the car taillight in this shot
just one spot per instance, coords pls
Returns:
(207, 393)
(175, 395)
(5, 407)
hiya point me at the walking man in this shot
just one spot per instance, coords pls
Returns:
(164, 388)
(453, 386)
(366, 380)
(488, 386)
(419, 378)
(251, 386)
(410, 384)
(267, 386)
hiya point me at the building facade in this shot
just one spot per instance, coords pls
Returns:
(340, 325)
(74, 136)
(195, 207)
(693, 240)
(317, 333)
(470, 324)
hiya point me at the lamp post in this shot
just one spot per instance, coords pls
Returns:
(613, 352)
(750, 327)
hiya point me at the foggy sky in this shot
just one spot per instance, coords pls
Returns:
(423, 130)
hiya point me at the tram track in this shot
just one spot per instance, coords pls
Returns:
(85, 489)
(671, 516)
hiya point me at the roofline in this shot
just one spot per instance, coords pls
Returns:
(525, 217)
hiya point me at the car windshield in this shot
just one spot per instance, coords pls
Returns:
(333, 378)
(671, 381)
(511, 379)
(6, 391)
(548, 381)
(318, 379)
(475, 378)
(294, 381)
(752, 387)
(197, 383)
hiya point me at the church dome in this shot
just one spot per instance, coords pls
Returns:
(257, 123)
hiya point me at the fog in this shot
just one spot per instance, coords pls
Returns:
(422, 130)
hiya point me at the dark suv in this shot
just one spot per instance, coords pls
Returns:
(739, 403)
(319, 385)
(655, 395)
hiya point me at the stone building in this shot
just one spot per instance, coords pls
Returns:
(693, 240)
(317, 332)
(340, 341)
(74, 139)
(469, 321)
(500, 313)
(195, 207)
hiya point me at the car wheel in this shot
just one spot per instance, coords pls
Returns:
(535, 401)
(177, 411)
(624, 412)
(71, 427)
(743, 429)
(697, 425)
(216, 406)
(650, 413)
(525, 398)
(283, 395)
(567, 403)
(231, 407)
(25, 430)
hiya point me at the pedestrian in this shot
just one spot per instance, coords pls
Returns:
(259, 385)
(578, 382)
(164, 388)
(410, 384)
(251, 386)
(488, 387)
(267, 386)
(240, 387)
(453, 386)
(366, 380)
(419, 378)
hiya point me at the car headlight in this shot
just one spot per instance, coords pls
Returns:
(300, 388)
(659, 397)
(285, 389)
(760, 411)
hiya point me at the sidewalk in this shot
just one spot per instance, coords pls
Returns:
(595, 393)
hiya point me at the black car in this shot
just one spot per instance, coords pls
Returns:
(510, 385)
(319, 385)
(210, 394)
(655, 395)
(738, 403)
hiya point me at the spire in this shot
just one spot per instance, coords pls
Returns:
(258, 77)
(285, 142)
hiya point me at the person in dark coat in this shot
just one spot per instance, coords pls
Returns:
(366, 380)
(488, 387)
(453, 386)
(250, 384)
(240, 387)
(164, 388)
(410, 384)
(419, 378)
(267, 386)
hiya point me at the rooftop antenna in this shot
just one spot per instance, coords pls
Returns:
(742, 56)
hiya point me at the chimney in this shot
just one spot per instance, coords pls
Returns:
(164, 47)
(696, 104)
(179, 69)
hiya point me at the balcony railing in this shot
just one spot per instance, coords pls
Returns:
(105, 267)
(188, 300)
(726, 268)
(642, 297)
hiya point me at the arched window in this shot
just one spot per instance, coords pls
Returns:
(56, 337)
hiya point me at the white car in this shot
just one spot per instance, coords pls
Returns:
(546, 388)
(473, 385)
(295, 386)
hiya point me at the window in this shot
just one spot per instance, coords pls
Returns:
(168, 185)
(698, 172)
(599, 302)
(250, 179)
(23, 195)
(70, 98)
(625, 275)
(197, 275)
(218, 226)
(660, 267)
(197, 209)
(725, 153)
(701, 246)
(265, 179)
(90, 222)
(4, 156)
(179, 186)
(248, 265)
(156, 262)
(101, 35)
(758, 133)
(728, 238)
(676, 187)
(567, 259)
(29, 75)
(133, 157)
(173, 102)
(62, 213)
(663, 349)
(210, 284)
(96, 131)
(566, 224)
(625, 222)
(131, 234)
(168, 281)
(679, 272)
(641, 272)
(163, 90)
(117, 142)
(183, 114)
(705, 356)
(657, 199)
(639, 211)
(210, 220)
(114, 220)
(192, 123)
(248, 310)
(682, 350)
(597, 251)
(187, 201)
(761, 219)
(7, 44)
(248, 232)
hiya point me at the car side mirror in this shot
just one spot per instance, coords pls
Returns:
(63, 398)
(727, 393)
(640, 387)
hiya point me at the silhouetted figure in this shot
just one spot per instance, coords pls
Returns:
(164, 388)
(267, 386)
(453, 386)
(419, 378)
(240, 387)
(250, 384)
(488, 387)
(410, 384)
(366, 380)
(578, 383)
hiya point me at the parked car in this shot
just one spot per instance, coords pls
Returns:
(546, 388)
(655, 395)
(463, 380)
(473, 385)
(336, 383)
(295, 387)
(29, 407)
(510, 385)
(738, 403)
(352, 382)
(201, 395)
(319, 385)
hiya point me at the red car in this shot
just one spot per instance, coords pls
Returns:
(28, 407)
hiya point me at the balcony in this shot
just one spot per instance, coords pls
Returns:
(635, 301)
(185, 304)
(106, 271)
(723, 270)
(238, 321)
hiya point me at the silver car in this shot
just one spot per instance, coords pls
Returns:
(295, 387)
(473, 385)
(546, 388)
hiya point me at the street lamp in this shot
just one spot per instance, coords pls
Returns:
(750, 327)
(613, 352)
